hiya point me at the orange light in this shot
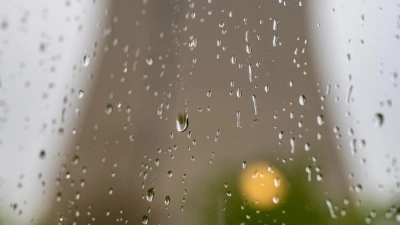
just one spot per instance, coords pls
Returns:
(262, 185)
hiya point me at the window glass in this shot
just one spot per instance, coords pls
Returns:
(199, 112)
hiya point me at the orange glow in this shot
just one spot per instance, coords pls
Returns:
(262, 185)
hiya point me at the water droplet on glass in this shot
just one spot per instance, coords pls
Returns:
(358, 188)
(80, 94)
(331, 209)
(277, 182)
(85, 60)
(292, 144)
(42, 154)
(182, 122)
(149, 61)
(167, 200)
(209, 93)
(302, 100)
(398, 215)
(307, 147)
(254, 104)
(145, 219)
(275, 25)
(169, 173)
(378, 120)
(109, 109)
(248, 48)
(251, 73)
(266, 88)
(150, 194)
(275, 199)
(320, 120)
(234, 59)
(238, 119)
(239, 92)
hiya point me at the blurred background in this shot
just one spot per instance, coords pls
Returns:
(199, 112)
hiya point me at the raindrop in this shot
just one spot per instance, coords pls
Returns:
(331, 209)
(266, 88)
(275, 199)
(42, 154)
(85, 60)
(251, 73)
(169, 173)
(378, 120)
(238, 119)
(277, 182)
(358, 188)
(234, 59)
(182, 121)
(275, 25)
(248, 48)
(109, 109)
(149, 61)
(80, 94)
(145, 219)
(150, 194)
(58, 198)
(244, 164)
(209, 93)
(254, 104)
(167, 200)
(239, 92)
(307, 147)
(292, 144)
(302, 100)
(281, 134)
(320, 120)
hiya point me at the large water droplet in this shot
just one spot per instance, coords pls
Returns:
(239, 92)
(320, 120)
(149, 61)
(331, 209)
(234, 59)
(266, 88)
(275, 199)
(150, 194)
(277, 182)
(85, 60)
(307, 147)
(302, 100)
(182, 122)
(167, 200)
(80, 94)
(169, 173)
(145, 219)
(378, 120)
(249, 48)
(109, 109)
